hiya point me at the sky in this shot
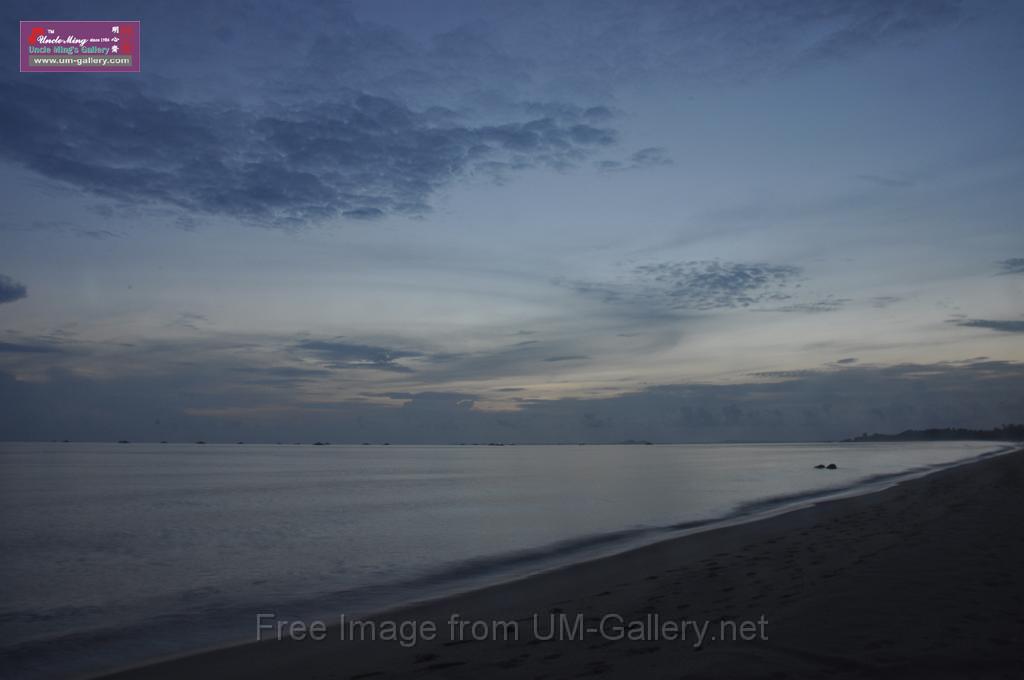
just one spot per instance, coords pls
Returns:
(537, 221)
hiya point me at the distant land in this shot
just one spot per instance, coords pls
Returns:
(1003, 433)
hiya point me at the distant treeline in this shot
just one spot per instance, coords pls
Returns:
(1004, 433)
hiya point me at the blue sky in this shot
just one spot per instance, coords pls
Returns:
(533, 221)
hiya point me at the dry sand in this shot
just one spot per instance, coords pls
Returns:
(922, 580)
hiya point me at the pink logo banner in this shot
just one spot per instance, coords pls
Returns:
(81, 46)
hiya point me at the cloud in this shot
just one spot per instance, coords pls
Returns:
(827, 304)
(461, 399)
(190, 320)
(650, 157)
(343, 355)
(364, 213)
(696, 285)
(357, 156)
(1015, 265)
(1005, 326)
(27, 348)
(883, 301)
(11, 290)
(783, 374)
(283, 375)
(96, 234)
(714, 284)
(518, 361)
(201, 402)
(847, 360)
(397, 118)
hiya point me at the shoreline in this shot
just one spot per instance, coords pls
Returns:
(563, 593)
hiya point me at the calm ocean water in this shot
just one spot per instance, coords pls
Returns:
(113, 554)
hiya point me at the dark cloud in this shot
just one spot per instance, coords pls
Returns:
(361, 157)
(783, 374)
(96, 234)
(368, 137)
(510, 362)
(190, 320)
(282, 375)
(598, 114)
(364, 213)
(200, 402)
(461, 398)
(883, 301)
(27, 348)
(294, 372)
(696, 285)
(344, 355)
(1003, 325)
(652, 156)
(827, 304)
(847, 360)
(714, 284)
(11, 290)
(1015, 265)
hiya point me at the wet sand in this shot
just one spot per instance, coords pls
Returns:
(922, 580)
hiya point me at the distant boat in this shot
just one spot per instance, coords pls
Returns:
(123, 441)
(200, 442)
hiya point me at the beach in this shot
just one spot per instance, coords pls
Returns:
(918, 580)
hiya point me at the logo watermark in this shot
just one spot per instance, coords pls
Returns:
(81, 46)
(610, 627)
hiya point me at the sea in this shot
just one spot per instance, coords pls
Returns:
(117, 553)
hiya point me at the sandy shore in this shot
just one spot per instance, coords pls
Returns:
(925, 579)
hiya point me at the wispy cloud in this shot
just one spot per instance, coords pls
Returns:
(344, 355)
(826, 304)
(190, 320)
(11, 290)
(1014, 265)
(883, 301)
(286, 376)
(1002, 325)
(96, 234)
(649, 157)
(27, 348)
